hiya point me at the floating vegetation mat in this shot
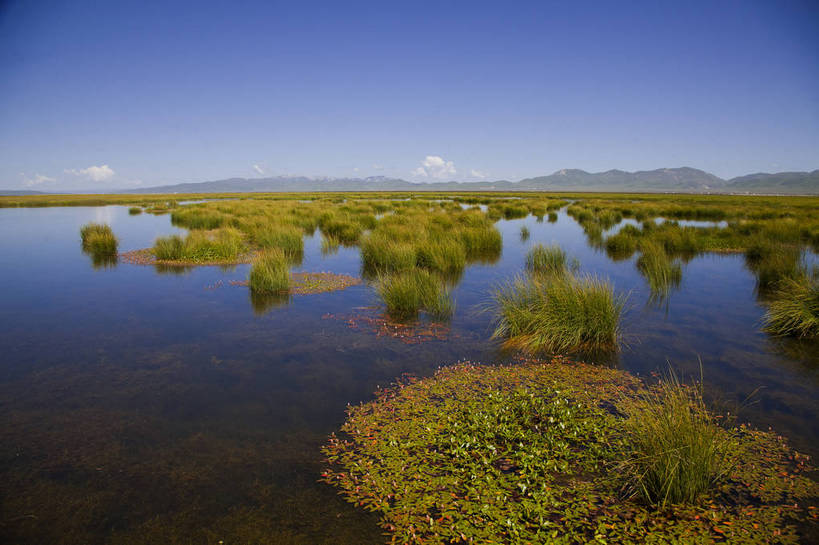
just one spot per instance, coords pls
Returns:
(145, 256)
(314, 282)
(533, 453)
(369, 319)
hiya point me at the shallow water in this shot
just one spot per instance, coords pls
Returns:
(140, 405)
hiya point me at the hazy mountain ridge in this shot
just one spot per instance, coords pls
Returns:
(678, 180)
(664, 180)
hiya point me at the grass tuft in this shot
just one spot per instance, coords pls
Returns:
(678, 448)
(794, 310)
(546, 260)
(270, 273)
(407, 293)
(98, 239)
(562, 313)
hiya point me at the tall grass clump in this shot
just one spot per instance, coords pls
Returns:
(407, 293)
(270, 273)
(678, 449)
(382, 253)
(98, 239)
(552, 217)
(135, 210)
(546, 259)
(200, 246)
(524, 233)
(562, 313)
(442, 254)
(197, 218)
(287, 238)
(794, 310)
(661, 273)
(621, 245)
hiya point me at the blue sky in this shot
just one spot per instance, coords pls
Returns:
(114, 94)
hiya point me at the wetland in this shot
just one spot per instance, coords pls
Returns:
(175, 375)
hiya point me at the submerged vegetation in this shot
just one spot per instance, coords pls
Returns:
(533, 453)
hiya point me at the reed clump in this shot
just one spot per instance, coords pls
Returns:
(662, 274)
(222, 245)
(546, 260)
(558, 313)
(678, 448)
(135, 210)
(98, 239)
(406, 293)
(794, 309)
(524, 233)
(287, 238)
(270, 273)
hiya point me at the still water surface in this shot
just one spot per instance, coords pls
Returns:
(141, 405)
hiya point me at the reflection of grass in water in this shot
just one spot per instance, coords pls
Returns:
(329, 245)
(524, 233)
(659, 271)
(262, 303)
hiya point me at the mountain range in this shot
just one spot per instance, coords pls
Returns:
(664, 180)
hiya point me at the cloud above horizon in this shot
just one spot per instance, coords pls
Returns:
(94, 173)
(477, 173)
(434, 166)
(37, 179)
(258, 169)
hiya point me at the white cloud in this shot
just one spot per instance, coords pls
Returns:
(355, 169)
(376, 166)
(37, 179)
(95, 173)
(477, 174)
(258, 169)
(434, 166)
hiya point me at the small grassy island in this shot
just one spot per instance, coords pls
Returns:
(564, 452)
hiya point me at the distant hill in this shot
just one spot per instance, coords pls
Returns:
(799, 183)
(684, 179)
(665, 180)
(18, 192)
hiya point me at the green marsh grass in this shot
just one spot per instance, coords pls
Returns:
(794, 308)
(660, 272)
(221, 245)
(558, 313)
(546, 260)
(287, 238)
(552, 217)
(524, 233)
(135, 210)
(270, 272)
(407, 293)
(678, 448)
(621, 245)
(98, 239)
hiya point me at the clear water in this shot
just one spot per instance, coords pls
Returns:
(143, 405)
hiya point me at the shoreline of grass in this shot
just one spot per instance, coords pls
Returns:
(535, 451)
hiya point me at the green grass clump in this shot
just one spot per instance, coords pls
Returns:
(482, 242)
(287, 238)
(524, 233)
(407, 293)
(773, 264)
(201, 246)
(559, 313)
(794, 309)
(441, 253)
(546, 259)
(621, 245)
(197, 218)
(661, 273)
(382, 253)
(679, 451)
(135, 210)
(98, 239)
(270, 273)
(552, 217)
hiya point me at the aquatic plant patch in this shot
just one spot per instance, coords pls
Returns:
(307, 283)
(369, 320)
(529, 453)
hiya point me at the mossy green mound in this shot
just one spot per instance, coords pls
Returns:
(534, 453)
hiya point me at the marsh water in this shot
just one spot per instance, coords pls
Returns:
(139, 404)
